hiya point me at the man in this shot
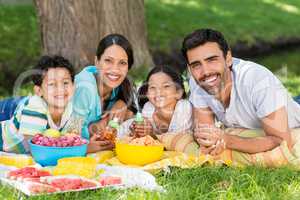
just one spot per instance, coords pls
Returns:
(239, 93)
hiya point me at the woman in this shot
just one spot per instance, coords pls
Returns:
(104, 87)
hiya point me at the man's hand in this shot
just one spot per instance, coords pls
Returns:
(208, 136)
(210, 139)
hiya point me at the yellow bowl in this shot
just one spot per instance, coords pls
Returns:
(137, 154)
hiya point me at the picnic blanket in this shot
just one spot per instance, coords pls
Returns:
(183, 151)
(169, 159)
(277, 157)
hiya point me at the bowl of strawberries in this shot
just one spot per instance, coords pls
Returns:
(46, 150)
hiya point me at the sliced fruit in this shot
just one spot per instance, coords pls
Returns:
(81, 166)
(27, 173)
(16, 160)
(110, 180)
(52, 133)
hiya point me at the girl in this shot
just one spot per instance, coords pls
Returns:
(104, 87)
(167, 114)
(164, 107)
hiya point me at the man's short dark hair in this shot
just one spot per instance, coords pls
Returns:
(202, 36)
(47, 62)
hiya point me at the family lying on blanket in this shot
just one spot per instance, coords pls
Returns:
(237, 110)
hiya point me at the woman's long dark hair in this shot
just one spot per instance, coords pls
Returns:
(125, 92)
(171, 72)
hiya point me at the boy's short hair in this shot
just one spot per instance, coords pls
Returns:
(47, 62)
(200, 37)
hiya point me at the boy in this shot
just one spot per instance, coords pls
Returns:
(50, 107)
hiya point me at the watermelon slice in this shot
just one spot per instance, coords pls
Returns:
(39, 188)
(27, 173)
(65, 183)
(110, 180)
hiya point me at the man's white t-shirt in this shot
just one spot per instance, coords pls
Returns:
(256, 92)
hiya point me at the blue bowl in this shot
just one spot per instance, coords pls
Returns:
(48, 156)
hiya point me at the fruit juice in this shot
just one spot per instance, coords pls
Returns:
(139, 118)
(111, 131)
(81, 166)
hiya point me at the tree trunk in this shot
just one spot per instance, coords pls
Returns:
(73, 28)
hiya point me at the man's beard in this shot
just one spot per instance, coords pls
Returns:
(216, 90)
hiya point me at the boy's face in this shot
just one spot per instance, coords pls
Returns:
(208, 66)
(57, 87)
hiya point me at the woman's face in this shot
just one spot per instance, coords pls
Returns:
(162, 90)
(113, 66)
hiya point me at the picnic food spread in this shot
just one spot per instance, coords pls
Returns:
(139, 151)
(110, 132)
(27, 173)
(143, 141)
(70, 171)
(67, 140)
(52, 133)
(18, 160)
(47, 150)
(81, 166)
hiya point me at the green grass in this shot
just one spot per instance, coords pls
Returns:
(201, 183)
(168, 21)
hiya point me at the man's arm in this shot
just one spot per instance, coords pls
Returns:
(275, 125)
(251, 145)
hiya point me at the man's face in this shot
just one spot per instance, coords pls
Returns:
(208, 66)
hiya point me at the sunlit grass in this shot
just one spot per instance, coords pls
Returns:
(248, 20)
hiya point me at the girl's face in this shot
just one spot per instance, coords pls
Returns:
(162, 90)
(113, 66)
(57, 87)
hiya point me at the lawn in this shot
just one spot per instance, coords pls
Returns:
(248, 20)
(201, 183)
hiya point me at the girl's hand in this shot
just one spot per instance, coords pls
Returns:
(141, 129)
(118, 110)
(99, 145)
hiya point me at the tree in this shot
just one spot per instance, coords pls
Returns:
(73, 28)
